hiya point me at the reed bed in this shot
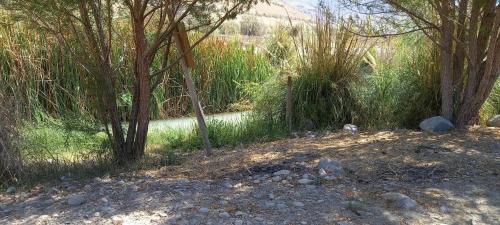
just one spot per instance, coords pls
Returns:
(47, 81)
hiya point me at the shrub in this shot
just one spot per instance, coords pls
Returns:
(280, 48)
(230, 28)
(402, 91)
(251, 27)
(492, 105)
(322, 94)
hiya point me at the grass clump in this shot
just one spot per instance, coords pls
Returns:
(250, 129)
(322, 89)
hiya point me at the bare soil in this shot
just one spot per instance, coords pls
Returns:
(453, 177)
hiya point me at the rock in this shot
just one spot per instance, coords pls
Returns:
(277, 178)
(330, 168)
(344, 223)
(227, 184)
(224, 215)
(298, 204)
(238, 222)
(75, 200)
(117, 220)
(436, 124)
(104, 200)
(355, 206)
(204, 210)
(305, 181)
(494, 121)
(282, 173)
(11, 190)
(268, 205)
(281, 207)
(351, 128)
(400, 201)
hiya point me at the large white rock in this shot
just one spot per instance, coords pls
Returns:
(436, 124)
(494, 121)
(351, 128)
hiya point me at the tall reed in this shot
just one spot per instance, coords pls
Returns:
(322, 89)
(47, 81)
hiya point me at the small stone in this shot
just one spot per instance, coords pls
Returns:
(117, 220)
(239, 213)
(104, 200)
(44, 218)
(120, 182)
(322, 172)
(271, 196)
(305, 181)
(134, 188)
(11, 190)
(224, 215)
(276, 178)
(204, 210)
(282, 173)
(309, 186)
(75, 200)
(238, 222)
(268, 205)
(281, 207)
(256, 181)
(298, 204)
(400, 201)
(329, 167)
(227, 184)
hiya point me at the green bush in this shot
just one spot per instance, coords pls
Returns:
(322, 93)
(402, 91)
(492, 105)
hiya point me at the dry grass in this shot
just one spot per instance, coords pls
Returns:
(373, 156)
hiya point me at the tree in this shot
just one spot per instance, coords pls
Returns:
(153, 23)
(467, 33)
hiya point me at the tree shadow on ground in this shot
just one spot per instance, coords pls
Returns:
(453, 177)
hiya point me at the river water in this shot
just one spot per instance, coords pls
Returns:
(189, 122)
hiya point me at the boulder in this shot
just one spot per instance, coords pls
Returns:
(399, 201)
(351, 128)
(11, 190)
(436, 124)
(494, 121)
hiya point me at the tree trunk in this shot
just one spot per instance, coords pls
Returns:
(446, 63)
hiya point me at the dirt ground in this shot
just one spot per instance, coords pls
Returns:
(453, 178)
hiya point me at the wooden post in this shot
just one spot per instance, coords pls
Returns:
(182, 43)
(289, 103)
